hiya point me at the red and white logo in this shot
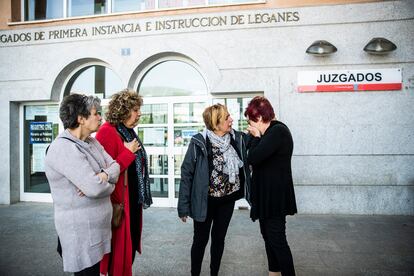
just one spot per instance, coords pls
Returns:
(350, 80)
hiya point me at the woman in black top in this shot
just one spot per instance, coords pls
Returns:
(214, 174)
(272, 194)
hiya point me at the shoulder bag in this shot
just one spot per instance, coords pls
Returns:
(118, 208)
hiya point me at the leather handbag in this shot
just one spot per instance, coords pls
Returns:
(118, 208)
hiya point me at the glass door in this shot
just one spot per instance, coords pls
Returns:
(166, 127)
(38, 128)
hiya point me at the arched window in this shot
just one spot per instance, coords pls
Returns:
(172, 78)
(94, 80)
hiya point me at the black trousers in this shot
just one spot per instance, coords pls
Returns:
(89, 271)
(218, 219)
(278, 251)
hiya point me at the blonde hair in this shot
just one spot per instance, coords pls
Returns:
(214, 115)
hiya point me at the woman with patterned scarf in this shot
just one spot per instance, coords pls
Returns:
(214, 174)
(119, 139)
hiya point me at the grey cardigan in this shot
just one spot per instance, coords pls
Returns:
(193, 194)
(82, 223)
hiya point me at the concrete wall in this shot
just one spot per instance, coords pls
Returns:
(354, 152)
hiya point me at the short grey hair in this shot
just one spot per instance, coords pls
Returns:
(93, 102)
(76, 105)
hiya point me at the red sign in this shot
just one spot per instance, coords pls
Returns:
(350, 80)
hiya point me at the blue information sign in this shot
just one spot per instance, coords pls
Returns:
(41, 132)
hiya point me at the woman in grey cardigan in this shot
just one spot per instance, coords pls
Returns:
(81, 176)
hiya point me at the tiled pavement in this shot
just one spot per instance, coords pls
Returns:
(321, 244)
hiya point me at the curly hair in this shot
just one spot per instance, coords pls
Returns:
(121, 105)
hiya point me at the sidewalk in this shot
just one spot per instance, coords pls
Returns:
(321, 244)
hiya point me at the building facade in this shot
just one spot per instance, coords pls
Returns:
(350, 111)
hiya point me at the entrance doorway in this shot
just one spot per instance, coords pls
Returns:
(175, 95)
(166, 127)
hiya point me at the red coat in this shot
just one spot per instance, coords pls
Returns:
(121, 253)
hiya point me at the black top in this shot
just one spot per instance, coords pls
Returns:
(272, 186)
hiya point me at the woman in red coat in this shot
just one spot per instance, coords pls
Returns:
(119, 139)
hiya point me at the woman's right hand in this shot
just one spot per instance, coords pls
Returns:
(253, 131)
(184, 219)
(103, 176)
(133, 146)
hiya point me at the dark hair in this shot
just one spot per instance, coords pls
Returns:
(213, 115)
(259, 106)
(121, 105)
(76, 105)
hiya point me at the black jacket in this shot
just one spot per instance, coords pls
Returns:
(195, 177)
(272, 186)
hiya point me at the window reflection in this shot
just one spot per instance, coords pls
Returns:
(154, 114)
(86, 7)
(41, 127)
(153, 136)
(216, 2)
(172, 78)
(177, 186)
(236, 108)
(188, 112)
(132, 5)
(178, 161)
(43, 9)
(182, 135)
(52, 9)
(159, 187)
(163, 4)
(94, 80)
(158, 164)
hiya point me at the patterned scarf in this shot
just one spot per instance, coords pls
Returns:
(232, 162)
(144, 192)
